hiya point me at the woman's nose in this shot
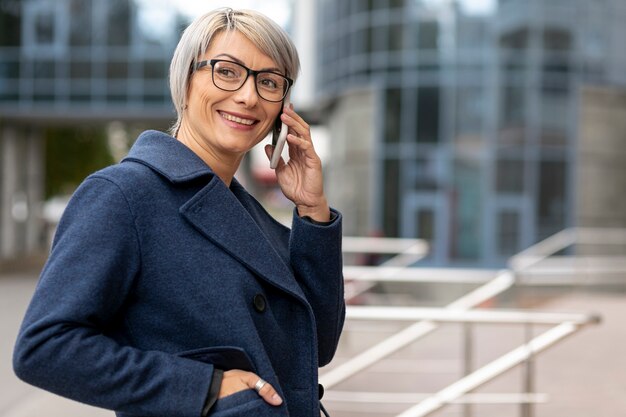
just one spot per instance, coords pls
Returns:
(247, 94)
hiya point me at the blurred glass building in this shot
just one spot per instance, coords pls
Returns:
(482, 129)
(72, 63)
(480, 126)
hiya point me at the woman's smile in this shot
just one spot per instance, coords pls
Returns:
(238, 121)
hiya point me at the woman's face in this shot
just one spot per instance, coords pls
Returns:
(229, 122)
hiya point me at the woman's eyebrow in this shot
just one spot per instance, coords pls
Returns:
(239, 61)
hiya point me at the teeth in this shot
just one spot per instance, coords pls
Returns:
(235, 119)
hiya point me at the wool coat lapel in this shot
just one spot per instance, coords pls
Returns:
(215, 211)
(218, 214)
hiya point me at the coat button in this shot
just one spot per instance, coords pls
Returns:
(320, 389)
(259, 303)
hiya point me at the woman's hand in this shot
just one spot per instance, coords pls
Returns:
(301, 178)
(236, 380)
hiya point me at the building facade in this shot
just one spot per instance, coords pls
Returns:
(464, 124)
(72, 63)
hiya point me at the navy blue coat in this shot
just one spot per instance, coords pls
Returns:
(160, 273)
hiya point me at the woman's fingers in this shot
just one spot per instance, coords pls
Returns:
(269, 149)
(237, 380)
(265, 390)
(296, 123)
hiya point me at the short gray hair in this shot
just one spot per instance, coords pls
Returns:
(264, 33)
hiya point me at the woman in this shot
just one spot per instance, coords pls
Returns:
(169, 290)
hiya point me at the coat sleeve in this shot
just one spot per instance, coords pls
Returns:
(65, 344)
(316, 258)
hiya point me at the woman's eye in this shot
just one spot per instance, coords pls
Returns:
(269, 83)
(226, 72)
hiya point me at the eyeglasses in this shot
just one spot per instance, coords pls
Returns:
(231, 76)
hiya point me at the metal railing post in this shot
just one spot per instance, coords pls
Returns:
(468, 359)
(527, 409)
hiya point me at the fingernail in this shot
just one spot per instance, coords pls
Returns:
(276, 399)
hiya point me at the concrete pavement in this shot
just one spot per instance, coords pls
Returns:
(584, 376)
(18, 399)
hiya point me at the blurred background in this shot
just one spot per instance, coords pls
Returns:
(479, 128)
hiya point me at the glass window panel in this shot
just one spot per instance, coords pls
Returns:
(553, 138)
(80, 22)
(427, 115)
(428, 35)
(555, 116)
(471, 33)
(344, 9)
(512, 120)
(510, 176)
(512, 105)
(470, 108)
(10, 24)
(393, 110)
(154, 98)
(9, 69)
(44, 69)
(425, 224)
(116, 98)
(117, 70)
(44, 27)
(80, 90)
(391, 196)
(378, 38)
(557, 40)
(396, 37)
(377, 4)
(119, 23)
(154, 70)
(425, 173)
(80, 69)
(361, 5)
(467, 210)
(508, 233)
(513, 64)
(515, 40)
(552, 197)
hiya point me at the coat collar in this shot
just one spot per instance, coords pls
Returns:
(216, 211)
(168, 156)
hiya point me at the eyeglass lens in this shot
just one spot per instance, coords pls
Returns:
(231, 76)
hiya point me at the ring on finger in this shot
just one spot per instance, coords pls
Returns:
(259, 385)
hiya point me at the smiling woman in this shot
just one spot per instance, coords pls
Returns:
(169, 290)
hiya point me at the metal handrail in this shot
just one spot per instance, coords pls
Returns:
(413, 397)
(491, 370)
(408, 252)
(418, 275)
(564, 239)
(443, 315)
(353, 244)
(364, 360)
(459, 311)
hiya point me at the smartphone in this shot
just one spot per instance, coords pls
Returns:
(279, 137)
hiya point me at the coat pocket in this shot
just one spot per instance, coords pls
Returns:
(222, 357)
(246, 403)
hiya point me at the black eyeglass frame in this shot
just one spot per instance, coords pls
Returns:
(254, 73)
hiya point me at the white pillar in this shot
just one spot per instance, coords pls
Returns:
(35, 172)
(8, 188)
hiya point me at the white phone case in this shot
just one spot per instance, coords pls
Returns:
(280, 142)
(278, 148)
